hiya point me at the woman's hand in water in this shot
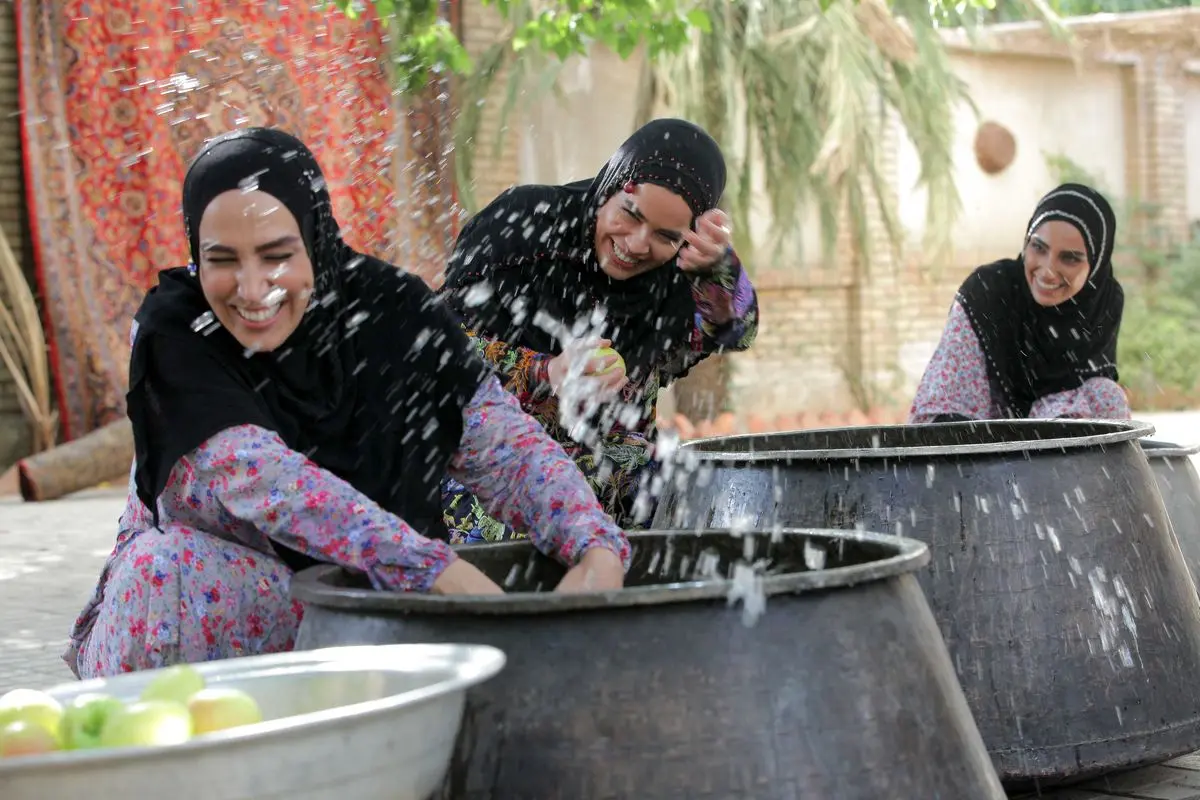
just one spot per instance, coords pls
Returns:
(607, 369)
(462, 577)
(706, 245)
(599, 570)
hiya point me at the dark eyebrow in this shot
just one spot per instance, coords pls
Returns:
(633, 209)
(290, 239)
(274, 244)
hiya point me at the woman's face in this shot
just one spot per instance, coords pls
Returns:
(638, 231)
(1056, 265)
(254, 269)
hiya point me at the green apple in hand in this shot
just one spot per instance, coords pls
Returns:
(608, 352)
(84, 719)
(216, 709)
(22, 738)
(147, 723)
(177, 684)
(32, 706)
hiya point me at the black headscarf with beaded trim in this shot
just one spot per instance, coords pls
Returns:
(532, 250)
(371, 386)
(1032, 350)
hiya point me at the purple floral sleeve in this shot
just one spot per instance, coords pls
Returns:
(525, 479)
(1098, 398)
(247, 485)
(956, 382)
(726, 308)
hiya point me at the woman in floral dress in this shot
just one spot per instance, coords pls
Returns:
(1035, 336)
(638, 257)
(295, 402)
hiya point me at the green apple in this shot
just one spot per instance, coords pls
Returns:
(216, 709)
(30, 705)
(147, 723)
(84, 719)
(177, 684)
(605, 352)
(22, 738)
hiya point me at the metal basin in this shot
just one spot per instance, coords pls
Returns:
(1054, 577)
(368, 723)
(1180, 487)
(840, 687)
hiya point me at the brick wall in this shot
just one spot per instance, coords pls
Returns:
(15, 438)
(797, 362)
(1164, 169)
(481, 27)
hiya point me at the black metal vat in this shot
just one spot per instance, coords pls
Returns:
(839, 687)
(1054, 576)
(1180, 488)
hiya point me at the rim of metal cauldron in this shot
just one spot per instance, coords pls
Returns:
(310, 585)
(1123, 431)
(1168, 449)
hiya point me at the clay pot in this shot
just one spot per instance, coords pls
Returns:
(756, 423)
(995, 147)
(787, 422)
(725, 424)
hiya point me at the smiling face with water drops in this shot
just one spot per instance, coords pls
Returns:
(640, 230)
(254, 268)
(1056, 262)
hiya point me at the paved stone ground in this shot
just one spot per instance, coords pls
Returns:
(51, 554)
(50, 557)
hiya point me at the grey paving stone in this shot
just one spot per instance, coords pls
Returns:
(50, 557)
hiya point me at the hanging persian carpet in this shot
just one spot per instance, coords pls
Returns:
(118, 96)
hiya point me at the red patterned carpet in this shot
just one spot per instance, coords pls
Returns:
(118, 96)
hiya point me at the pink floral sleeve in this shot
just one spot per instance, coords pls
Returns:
(248, 485)
(1098, 398)
(955, 381)
(525, 479)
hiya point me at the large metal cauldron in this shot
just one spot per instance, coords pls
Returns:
(1180, 487)
(840, 688)
(1059, 589)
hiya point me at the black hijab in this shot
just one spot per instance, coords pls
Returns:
(1033, 351)
(531, 251)
(371, 386)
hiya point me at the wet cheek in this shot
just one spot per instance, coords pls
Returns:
(219, 289)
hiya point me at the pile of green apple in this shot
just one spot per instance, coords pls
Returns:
(175, 706)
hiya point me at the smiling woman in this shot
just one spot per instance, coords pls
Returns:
(295, 402)
(1036, 336)
(596, 295)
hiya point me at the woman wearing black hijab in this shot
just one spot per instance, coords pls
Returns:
(1036, 336)
(296, 402)
(637, 258)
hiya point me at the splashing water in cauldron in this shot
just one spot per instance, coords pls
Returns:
(1111, 630)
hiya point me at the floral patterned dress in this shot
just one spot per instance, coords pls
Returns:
(207, 584)
(956, 382)
(619, 470)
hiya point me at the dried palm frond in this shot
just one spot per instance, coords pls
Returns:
(23, 349)
(803, 98)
